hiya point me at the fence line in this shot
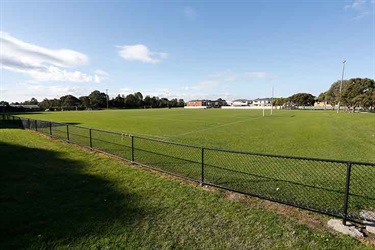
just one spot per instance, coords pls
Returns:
(342, 189)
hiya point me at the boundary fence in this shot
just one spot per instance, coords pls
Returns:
(344, 189)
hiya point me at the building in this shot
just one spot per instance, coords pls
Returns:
(207, 103)
(241, 102)
(262, 102)
(323, 104)
(198, 103)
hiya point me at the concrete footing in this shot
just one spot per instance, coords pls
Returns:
(348, 229)
(370, 226)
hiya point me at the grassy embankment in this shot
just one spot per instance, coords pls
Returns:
(55, 195)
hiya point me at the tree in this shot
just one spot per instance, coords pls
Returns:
(163, 103)
(302, 99)
(279, 101)
(55, 103)
(333, 94)
(85, 101)
(131, 101)
(155, 102)
(33, 101)
(118, 101)
(147, 101)
(4, 103)
(322, 97)
(139, 97)
(173, 102)
(358, 93)
(181, 103)
(98, 99)
(70, 101)
(45, 104)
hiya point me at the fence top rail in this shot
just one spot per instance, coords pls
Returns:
(218, 149)
(31, 119)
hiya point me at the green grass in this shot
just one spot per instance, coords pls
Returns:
(319, 185)
(321, 134)
(54, 195)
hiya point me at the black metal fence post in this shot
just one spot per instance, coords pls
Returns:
(67, 133)
(202, 170)
(346, 198)
(132, 148)
(28, 123)
(50, 129)
(90, 138)
(36, 125)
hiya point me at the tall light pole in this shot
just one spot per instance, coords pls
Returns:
(106, 90)
(342, 79)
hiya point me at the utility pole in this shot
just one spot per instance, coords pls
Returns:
(342, 79)
(106, 90)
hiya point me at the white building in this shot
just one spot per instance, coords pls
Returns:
(262, 102)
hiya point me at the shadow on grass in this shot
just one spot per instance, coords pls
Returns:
(10, 124)
(46, 198)
(73, 123)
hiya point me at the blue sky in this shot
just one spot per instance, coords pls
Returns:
(183, 49)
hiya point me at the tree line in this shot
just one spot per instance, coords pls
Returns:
(299, 99)
(352, 93)
(100, 100)
(355, 92)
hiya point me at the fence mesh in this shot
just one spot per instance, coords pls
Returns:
(301, 182)
(113, 143)
(362, 192)
(316, 184)
(174, 158)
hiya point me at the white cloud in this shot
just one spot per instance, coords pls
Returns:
(258, 75)
(204, 85)
(361, 7)
(41, 63)
(190, 12)
(125, 91)
(41, 90)
(356, 4)
(101, 73)
(140, 52)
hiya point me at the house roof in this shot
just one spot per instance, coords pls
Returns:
(25, 106)
(204, 100)
(199, 101)
(241, 100)
(263, 99)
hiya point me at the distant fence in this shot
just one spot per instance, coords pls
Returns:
(344, 189)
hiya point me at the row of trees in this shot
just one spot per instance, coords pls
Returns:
(356, 92)
(353, 93)
(98, 100)
(299, 99)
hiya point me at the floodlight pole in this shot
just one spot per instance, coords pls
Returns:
(342, 79)
(106, 90)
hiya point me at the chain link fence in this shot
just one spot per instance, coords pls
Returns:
(339, 188)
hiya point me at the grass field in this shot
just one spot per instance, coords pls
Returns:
(58, 196)
(321, 134)
(316, 184)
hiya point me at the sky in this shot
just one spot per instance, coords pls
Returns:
(182, 49)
